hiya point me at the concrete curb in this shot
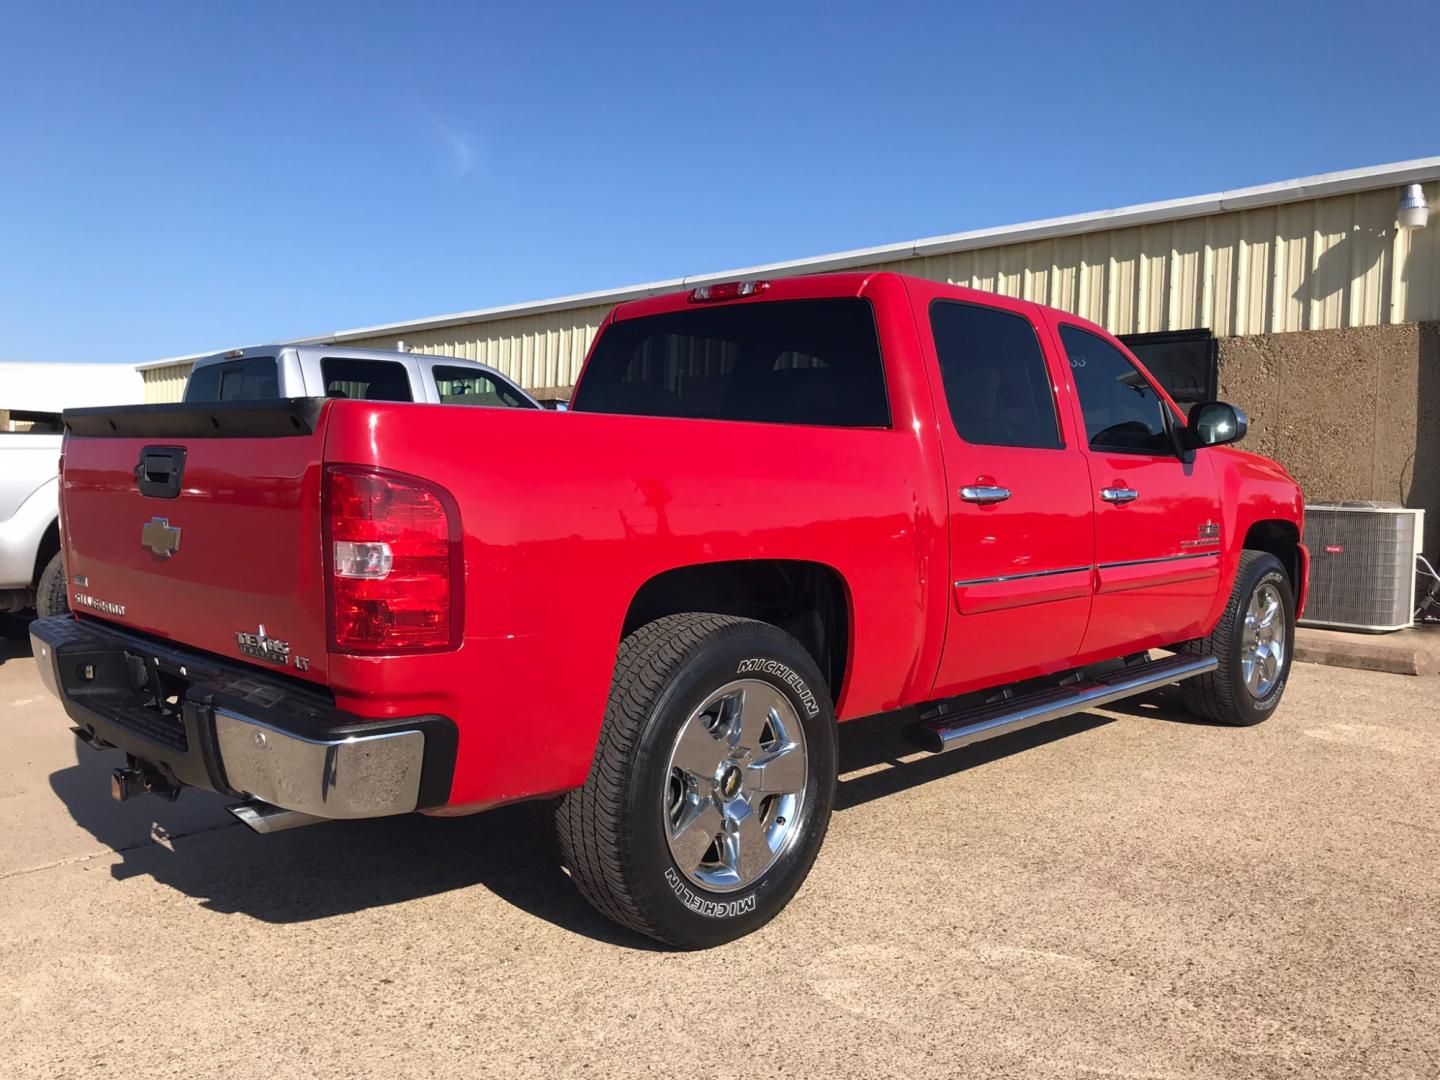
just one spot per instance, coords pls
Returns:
(1405, 652)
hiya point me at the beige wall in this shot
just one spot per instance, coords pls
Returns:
(1353, 414)
(166, 383)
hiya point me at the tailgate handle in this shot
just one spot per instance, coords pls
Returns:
(159, 471)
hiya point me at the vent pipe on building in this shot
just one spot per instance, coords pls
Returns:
(1414, 211)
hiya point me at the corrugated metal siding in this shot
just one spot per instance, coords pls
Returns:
(1307, 265)
(166, 383)
(535, 351)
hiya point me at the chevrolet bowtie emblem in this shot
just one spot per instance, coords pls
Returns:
(160, 537)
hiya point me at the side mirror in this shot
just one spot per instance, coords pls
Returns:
(1215, 423)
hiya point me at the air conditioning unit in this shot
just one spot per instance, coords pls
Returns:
(1362, 565)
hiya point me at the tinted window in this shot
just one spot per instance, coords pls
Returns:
(1122, 410)
(784, 362)
(368, 380)
(250, 379)
(468, 386)
(1186, 363)
(996, 383)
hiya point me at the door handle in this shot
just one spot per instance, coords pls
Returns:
(1119, 494)
(984, 494)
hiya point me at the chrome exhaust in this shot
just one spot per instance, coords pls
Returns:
(264, 818)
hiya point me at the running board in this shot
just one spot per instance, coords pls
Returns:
(1002, 717)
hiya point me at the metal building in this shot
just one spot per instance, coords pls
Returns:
(1323, 310)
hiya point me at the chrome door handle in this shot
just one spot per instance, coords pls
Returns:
(984, 494)
(1119, 495)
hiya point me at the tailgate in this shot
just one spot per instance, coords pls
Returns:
(201, 524)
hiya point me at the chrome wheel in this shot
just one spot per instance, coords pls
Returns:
(1263, 641)
(736, 785)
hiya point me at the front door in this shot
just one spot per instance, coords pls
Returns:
(1157, 516)
(1019, 500)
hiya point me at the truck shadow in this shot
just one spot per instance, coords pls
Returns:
(333, 869)
(342, 868)
(887, 764)
(14, 637)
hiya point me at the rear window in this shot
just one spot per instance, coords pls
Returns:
(251, 379)
(783, 362)
(366, 380)
(467, 386)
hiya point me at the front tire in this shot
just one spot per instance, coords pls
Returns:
(712, 784)
(1253, 642)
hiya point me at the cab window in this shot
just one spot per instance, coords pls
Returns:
(470, 386)
(782, 362)
(251, 379)
(996, 383)
(1123, 412)
(368, 380)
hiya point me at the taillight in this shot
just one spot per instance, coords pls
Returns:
(728, 290)
(392, 561)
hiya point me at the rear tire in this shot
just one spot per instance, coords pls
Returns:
(51, 595)
(712, 784)
(1254, 644)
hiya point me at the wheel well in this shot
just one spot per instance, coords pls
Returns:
(807, 600)
(49, 545)
(1281, 539)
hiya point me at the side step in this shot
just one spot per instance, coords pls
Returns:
(948, 732)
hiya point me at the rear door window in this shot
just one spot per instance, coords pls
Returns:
(1123, 412)
(365, 380)
(252, 379)
(996, 383)
(469, 386)
(782, 362)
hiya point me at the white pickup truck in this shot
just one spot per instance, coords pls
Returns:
(298, 371)
(30, 516)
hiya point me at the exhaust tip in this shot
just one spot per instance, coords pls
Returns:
(261, 817)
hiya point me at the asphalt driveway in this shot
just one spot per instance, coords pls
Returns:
(1126, 893)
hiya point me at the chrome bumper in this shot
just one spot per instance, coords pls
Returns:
(357, 777)
(200, 721)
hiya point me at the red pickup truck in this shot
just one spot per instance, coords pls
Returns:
(773, 506)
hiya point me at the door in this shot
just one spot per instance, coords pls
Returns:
(1019, 499)
(1157, 515)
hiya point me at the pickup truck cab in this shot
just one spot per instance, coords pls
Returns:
(296, 371)
(774, 506)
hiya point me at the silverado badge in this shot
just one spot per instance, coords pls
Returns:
(162, 538)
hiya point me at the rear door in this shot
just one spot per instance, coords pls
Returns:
(203, 526)
(1157, 517)
(1019, 499)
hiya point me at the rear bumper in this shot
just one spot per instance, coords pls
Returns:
(212, 724)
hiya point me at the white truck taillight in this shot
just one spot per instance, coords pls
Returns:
(394, 568)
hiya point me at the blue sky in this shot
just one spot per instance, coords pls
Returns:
(191, 176)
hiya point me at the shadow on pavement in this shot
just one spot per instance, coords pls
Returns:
(335, 868)
(14, 637)
(344, 867)
(876, 740)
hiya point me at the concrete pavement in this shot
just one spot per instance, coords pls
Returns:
(1126, 893)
